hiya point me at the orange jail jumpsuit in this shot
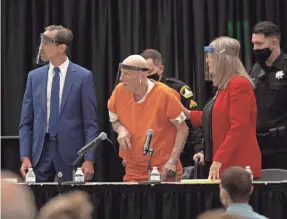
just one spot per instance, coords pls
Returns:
(160, 106)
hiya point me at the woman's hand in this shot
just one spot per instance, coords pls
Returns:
(199, 156)
(214, 170)
(186, 113)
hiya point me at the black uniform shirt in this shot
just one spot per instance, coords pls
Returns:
(271, 94)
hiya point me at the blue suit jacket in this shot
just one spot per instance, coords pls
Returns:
(78, 123)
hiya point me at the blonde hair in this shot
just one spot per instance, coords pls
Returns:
(226, 61)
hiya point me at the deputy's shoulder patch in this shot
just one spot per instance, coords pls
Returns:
(186, 91)
(192, 104)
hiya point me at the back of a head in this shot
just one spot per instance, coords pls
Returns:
(73, 205)
(267, 28)
(237, 182)
(17, 201)
(154, 55)
(227, 61)
(226, 45)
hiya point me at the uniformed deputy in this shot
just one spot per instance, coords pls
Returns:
(270, 76)
(194, 141)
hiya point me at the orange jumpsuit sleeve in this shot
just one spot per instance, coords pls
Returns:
(112, 102)
(173, 105)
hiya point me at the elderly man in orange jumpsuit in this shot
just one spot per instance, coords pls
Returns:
(138, 104)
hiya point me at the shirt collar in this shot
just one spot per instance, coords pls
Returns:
(63, 67)
(278, 63)
(239, 206)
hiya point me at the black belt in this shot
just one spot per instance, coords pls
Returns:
(50, 137)
(274, 132)
(263, 134)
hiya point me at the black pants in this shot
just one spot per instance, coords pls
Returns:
(274, 152)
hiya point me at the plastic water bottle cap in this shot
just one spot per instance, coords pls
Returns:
(248, 167)
(30, 168)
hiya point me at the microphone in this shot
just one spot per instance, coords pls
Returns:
(60, 181)
(102, 136)
(60, 176)
(147, 141)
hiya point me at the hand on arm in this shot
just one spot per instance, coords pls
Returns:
(186, 113)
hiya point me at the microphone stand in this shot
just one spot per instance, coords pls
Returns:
(59, 179)
(74, 167)
(196, 163)
(149, 150)
(77, 161)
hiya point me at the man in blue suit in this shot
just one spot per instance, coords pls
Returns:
(58, 112)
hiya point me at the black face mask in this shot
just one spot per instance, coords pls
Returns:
(262, 54)
(154, 77)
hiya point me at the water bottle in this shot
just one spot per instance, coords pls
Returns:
(155, 175)
(79, 175)
(248, 169)
(30, 176)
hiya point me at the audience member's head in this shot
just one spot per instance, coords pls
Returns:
(74, 205)
(235, 186)
(17, 201)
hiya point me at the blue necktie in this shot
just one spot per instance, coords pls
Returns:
(54, 103)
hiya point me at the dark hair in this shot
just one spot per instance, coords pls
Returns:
(63, 35)
(237, 182)
(267, 28)
(152, 54)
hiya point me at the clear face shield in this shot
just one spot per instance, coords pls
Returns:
(127, 67)
(44, 41)
(208, 50)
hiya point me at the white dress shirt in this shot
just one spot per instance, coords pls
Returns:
(63, 72)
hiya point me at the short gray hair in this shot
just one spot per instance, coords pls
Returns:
(63, 35)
